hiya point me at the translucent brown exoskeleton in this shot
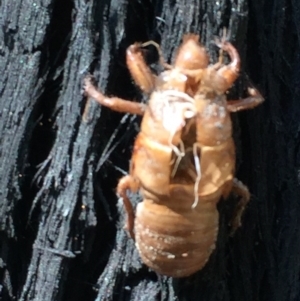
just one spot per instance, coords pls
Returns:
(184, 155)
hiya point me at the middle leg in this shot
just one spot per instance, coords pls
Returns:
(114, 103)
(250, 102)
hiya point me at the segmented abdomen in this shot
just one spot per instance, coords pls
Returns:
(173, 239)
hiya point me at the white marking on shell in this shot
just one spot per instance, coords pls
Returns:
(170, 256)
(219, 125)
(137, 246)
(222, 112)
(212, 247)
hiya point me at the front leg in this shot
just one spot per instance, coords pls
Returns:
(229, 72)
(138, 68)
(128, 182)
(114, 103)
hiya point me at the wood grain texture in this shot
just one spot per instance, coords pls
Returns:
(46, 48)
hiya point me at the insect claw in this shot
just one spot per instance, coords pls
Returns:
(224, 39)
(88, 82)
(217, 41)
(161, 58)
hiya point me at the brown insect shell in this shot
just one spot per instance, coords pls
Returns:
(172, 238)
(160, 132)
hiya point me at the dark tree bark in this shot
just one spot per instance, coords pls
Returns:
(61, 235)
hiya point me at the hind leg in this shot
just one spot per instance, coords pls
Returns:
(128, 183)
(242, 191)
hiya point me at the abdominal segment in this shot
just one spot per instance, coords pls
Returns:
(175, 244)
